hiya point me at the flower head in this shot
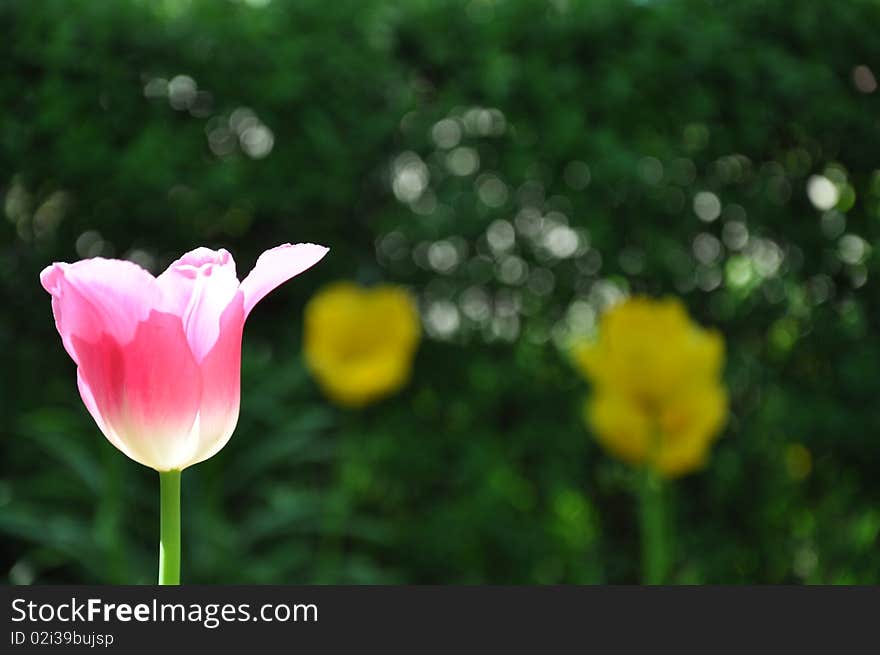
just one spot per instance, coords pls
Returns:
(158, 359)
(359, 343)
(657, 394)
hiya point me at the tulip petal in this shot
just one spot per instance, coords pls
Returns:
(199, 287)
(99, 296)
(274, 267)
(144, 394)
(221, 385)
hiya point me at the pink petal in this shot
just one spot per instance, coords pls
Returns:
(99, 296)
(199, 287)
(145, 394)
(274, 267)
(221, 385)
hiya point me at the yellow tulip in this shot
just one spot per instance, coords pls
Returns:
(359, 342)
(658, 399)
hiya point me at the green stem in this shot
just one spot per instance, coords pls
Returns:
(655, 536)
(169, 527)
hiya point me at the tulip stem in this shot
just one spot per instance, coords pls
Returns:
(169, 527)
(654, 529)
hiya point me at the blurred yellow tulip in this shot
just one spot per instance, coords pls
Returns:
(359, 342)
(658, 399)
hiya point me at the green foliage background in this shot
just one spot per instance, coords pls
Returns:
(481, 471)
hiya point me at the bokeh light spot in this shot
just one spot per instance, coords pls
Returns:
(707, 206)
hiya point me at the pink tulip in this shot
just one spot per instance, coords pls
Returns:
(158, 358)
